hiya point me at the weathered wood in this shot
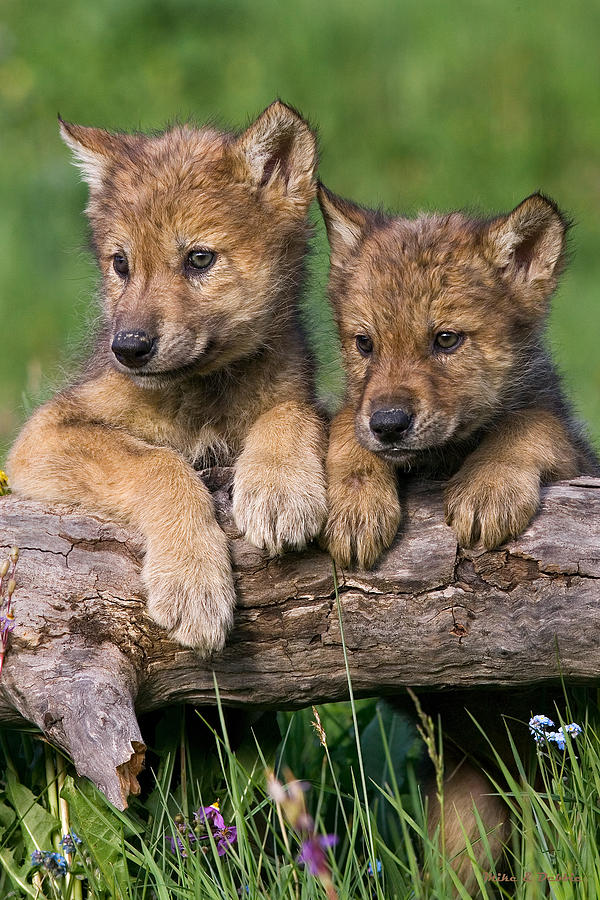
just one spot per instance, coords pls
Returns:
(84, 654)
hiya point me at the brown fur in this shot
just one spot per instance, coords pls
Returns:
(467, 794)
(229, 381)
(489, 416)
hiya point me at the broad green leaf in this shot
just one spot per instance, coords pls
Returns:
(35, 822)
(18, 875)
(7, 817)
(385, 760)
(101, 832)
(400, 738)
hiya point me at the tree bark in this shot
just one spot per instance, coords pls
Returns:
(84, 656)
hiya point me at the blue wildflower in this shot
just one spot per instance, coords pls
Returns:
(60, 865)
(377, 867)
(539, 725)
(70, 842)
(37, 858)
(560, 736)
(54, 863)
(557, 737)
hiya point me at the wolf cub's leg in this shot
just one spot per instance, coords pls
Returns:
(187, 568)
(496, 491)
(279, 497)
(364, 509)
(467, 788)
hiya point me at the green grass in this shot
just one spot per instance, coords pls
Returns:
(357, 763)
(419, 105)
(129, 855)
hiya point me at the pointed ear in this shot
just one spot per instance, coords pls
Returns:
(346, 222)
(529, 243)
(92, 148)
(278, 153)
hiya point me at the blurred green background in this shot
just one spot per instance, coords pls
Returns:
(420, 105)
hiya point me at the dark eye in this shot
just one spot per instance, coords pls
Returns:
(448, 341)
(120, 264)
(364, 344)
(200, 260)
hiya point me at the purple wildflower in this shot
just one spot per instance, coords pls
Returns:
(7, 625)
(209, 815)
(208, 819)
(177, 842)
(223, 834)
(37, 858)
(7, 589)
(312, 853)
(224, 838)
(291, 799)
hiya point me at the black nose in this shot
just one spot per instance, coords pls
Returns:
(390, 425)
(133, 348)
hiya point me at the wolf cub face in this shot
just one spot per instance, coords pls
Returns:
(191, 229)
(436, 315)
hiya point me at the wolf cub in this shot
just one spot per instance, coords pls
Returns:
(200, 237)
(442, 326)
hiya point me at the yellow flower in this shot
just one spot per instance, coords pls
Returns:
(4, 489)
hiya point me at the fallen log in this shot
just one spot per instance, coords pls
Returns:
(84, 656)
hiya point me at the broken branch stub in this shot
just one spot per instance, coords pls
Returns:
(84, 656)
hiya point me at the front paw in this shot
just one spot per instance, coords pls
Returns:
(491, 505)
(363, 521)
(279, 508)
(191, 591)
